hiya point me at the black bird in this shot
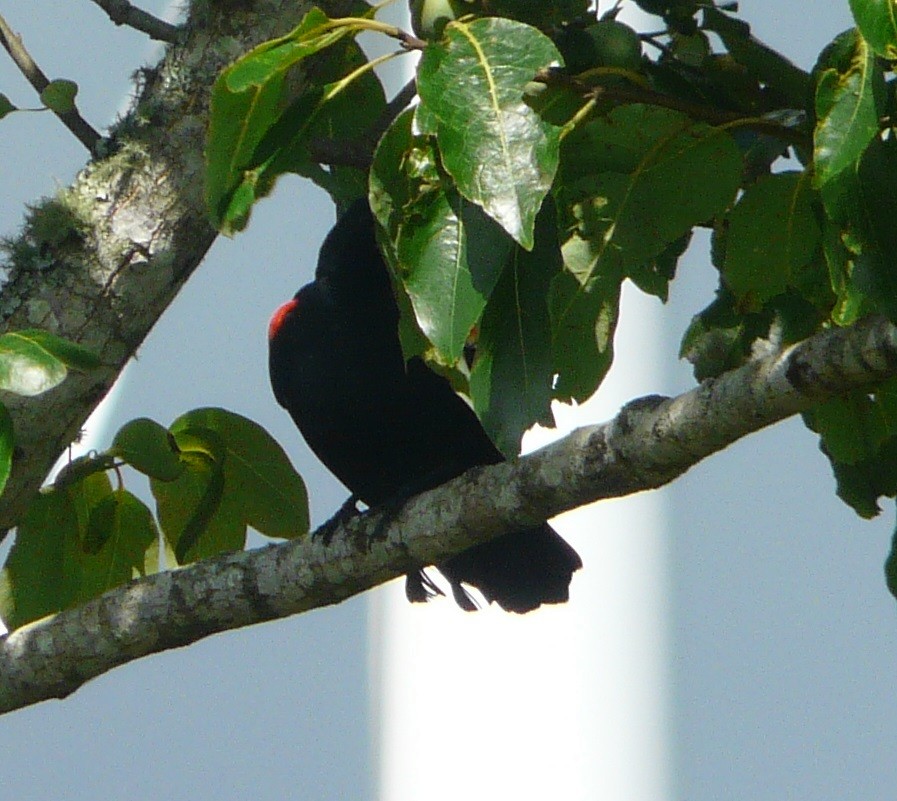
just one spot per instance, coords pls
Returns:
(387, 429)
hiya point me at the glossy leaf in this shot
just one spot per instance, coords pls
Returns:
(72, 355)
(501, 153)
(583, 323)
(851, 302)
(510, 383)
(246, 102)
(849, 104)
(877, 21)
(862, 202)
(26, 368)
(261, 124)
(450, 260)
(447, 253)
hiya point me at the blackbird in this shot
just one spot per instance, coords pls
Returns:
(388, 429)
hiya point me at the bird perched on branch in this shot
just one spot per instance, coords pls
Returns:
(388, 429)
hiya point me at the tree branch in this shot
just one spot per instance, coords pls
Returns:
(648, 444)
(121, 12)
(72, 119)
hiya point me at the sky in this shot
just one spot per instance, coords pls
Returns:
(781, 637)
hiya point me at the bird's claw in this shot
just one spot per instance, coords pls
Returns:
(346, 512)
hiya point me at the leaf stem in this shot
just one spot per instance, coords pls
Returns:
(408, 41)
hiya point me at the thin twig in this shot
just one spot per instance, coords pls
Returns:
(121, 12)
(619, 94)
(72, 119)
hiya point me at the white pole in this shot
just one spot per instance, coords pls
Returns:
(568, 702)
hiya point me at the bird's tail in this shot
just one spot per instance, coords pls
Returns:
(519, 572)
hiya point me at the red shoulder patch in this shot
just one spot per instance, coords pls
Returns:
(280, 316)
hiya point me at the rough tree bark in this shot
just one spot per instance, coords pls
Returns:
(651, 442)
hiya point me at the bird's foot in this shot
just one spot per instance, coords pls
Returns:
(345, 513)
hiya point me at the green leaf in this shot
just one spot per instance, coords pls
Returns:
(404, 172)
(428, 17)
(447, 253)
(85, 494)
(149, 448)
(852, 427)
(859, 435)
(861, 485)
(862, 201)
(654, 276)
(639, 179)
(42, 572)
(583, 322)
(449, 260)
(59, 95)
(261, 123)
(246, 101)
(120, 531)
(6, 106)
(72, 355)
(877, 21)
(26, 368)
(771, 233)
(849, 105)
(33, 361)
(81, 467)
(259, 478)
(501, 153)
(188, 508)
(510, 383)
(851, 302)
(234, 475)
(7, 446)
